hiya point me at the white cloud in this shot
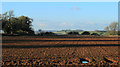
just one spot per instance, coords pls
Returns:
(42, 24)
(75, 8)
(71, 24)
(91, 23)
(64, 24)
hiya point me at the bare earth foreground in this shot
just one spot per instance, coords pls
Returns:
(60, 50)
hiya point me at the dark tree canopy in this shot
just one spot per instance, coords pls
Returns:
(86, 33)
(16, 25)
(96, 34)
(73, 33)
(47, 33)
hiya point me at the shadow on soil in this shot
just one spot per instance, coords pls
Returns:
(14, 41)
(58, 45)
(109, 61)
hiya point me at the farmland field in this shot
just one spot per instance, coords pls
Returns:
(60, 50)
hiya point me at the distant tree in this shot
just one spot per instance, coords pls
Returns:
(112, 29)
(46, 33)
(86, 33)
(0, 23)
(73, 33)
(39, 31)
(49, 33)
(96, 34)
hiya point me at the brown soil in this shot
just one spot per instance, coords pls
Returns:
(67, 50)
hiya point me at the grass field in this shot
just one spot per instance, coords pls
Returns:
(60, 50)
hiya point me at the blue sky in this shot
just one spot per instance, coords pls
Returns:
(66, 15)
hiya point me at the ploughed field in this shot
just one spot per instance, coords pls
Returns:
(60, 50)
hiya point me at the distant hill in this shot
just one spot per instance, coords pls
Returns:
(100, 31)
(73, 30)
(50, 30)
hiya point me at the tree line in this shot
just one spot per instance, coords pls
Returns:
(22, 25)
(16, 25)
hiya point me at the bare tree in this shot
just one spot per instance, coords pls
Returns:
(112, 29)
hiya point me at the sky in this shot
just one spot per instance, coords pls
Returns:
(60, 0)
(66, 15)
